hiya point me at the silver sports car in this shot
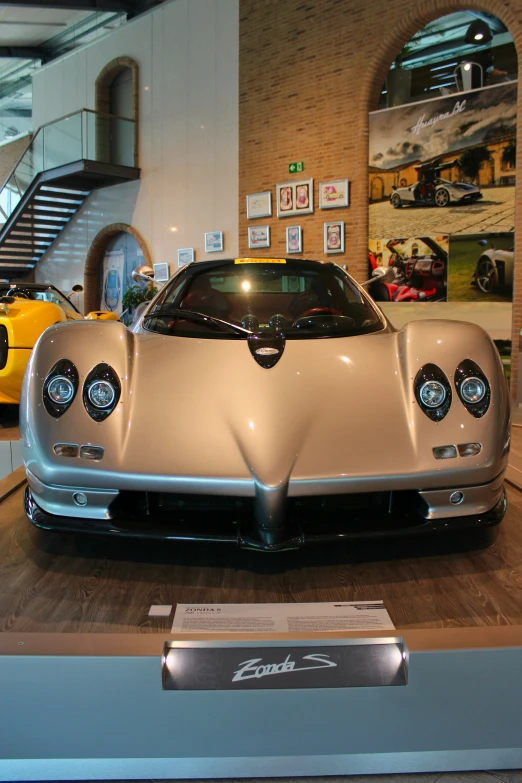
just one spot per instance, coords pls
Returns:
(439, 193)
(268, 403)
(494, 268)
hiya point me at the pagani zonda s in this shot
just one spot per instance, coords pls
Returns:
(269, 403)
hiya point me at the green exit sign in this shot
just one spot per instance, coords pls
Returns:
(295, 167)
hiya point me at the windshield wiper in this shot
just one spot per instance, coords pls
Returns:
(193, 315)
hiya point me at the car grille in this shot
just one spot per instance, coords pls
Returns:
(377, 511)
(3, 346)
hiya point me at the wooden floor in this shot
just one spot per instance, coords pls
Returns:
(46, 584)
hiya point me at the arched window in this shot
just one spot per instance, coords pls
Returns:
(116, 93)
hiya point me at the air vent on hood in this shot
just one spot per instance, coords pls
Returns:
(266, 349)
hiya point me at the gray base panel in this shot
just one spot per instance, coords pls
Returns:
(101, 716)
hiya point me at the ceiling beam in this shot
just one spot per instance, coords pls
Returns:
(24, 53)
(74, 5)
(130, 7)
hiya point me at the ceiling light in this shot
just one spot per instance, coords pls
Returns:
(478, 33)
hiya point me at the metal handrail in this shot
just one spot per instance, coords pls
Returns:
(12, 178)
(52, 122)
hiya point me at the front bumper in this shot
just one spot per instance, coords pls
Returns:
(335, 519)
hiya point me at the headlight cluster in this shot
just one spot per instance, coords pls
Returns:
(60, 387)
(473, 388)
(433, 390)
(101, 390)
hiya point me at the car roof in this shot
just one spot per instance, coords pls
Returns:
(257, 259)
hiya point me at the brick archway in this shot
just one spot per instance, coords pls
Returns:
(95, 257)
(102, 91)
(404, 28)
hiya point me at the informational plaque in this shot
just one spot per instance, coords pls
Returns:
(282, 618)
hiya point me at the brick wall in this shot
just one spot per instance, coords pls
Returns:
(9, 154)
(310, 71)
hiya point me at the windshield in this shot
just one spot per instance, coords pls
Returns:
(298, 298)
(36, 293)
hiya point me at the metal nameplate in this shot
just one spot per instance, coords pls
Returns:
(237, 666)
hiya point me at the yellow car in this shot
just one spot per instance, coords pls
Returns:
(26, 310)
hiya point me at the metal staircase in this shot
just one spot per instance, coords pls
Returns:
(63, 163)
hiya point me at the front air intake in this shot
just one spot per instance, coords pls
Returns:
(3, 346)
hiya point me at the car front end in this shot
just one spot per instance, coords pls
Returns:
(261, 440)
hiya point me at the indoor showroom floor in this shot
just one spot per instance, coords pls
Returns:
(57, 583)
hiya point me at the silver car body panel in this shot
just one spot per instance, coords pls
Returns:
(197, 413)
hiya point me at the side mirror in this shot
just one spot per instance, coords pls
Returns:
(382, 275)
(143, 274)
(77, 289)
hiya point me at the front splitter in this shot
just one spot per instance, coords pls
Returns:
(251, 537)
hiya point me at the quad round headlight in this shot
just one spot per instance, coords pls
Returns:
(60, 390)
(432, 394)
(101, 394)
(473, 390)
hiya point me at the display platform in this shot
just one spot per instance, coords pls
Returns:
(80, 658)
(10, 449)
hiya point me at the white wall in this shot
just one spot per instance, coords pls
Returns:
(187, 51)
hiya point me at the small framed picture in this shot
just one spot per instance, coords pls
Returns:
(334, 237)
(213, 242)
(295, 198)
(334, 194)
(294, 239)
(161, 272)
(259, 205)
(259, 236)
(185, 256)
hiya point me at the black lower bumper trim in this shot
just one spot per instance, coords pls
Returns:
(247, 536)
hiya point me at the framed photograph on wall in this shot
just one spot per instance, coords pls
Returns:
(295, 198)
(294, 243)
(335, 193)
(185, 256)
(213, 242)
(258, 236)
(334, 237)
(259, 205)
(161, 272)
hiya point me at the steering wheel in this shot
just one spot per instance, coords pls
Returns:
(316, 311)
(18, 293)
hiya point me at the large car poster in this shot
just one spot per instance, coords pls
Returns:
(446, 168)
(113, 267)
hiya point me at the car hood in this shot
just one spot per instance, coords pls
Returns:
(336, 408)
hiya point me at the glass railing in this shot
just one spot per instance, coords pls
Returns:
(83, 135)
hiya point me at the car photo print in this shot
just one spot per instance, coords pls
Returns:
(432, 190)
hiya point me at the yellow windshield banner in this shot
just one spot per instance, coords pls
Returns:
(259, 260)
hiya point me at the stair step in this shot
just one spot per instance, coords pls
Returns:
(34, 217)
(55, 200)
(41, 234)
(21, 242)
(20, 259)
(48, 212)
(56, 189)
